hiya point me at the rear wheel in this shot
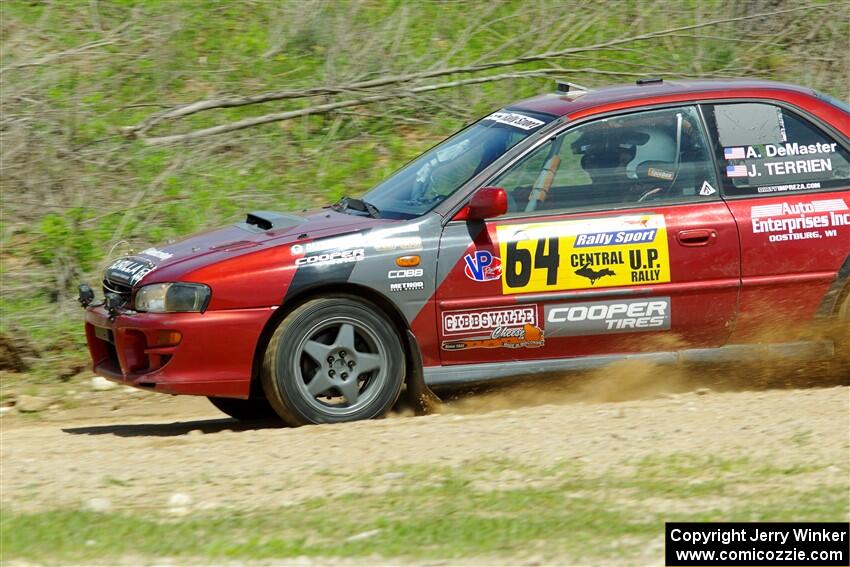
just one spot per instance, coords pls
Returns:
(244, 410)
(333, 359)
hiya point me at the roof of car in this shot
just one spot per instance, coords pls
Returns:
(571, 103)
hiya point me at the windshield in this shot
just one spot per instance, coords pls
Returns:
(420, 185)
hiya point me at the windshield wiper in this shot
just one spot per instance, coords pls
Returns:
(358, 205)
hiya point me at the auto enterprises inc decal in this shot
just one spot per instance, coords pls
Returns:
(581, 254)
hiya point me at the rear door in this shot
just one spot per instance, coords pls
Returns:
(787, 182)
(628, 249)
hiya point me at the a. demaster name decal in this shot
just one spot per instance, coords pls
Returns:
(580, 254)
(477, 320)
(603, 317)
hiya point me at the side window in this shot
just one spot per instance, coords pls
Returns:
(651, 156)
(765, 149)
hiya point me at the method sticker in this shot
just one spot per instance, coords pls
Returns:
(619, 251)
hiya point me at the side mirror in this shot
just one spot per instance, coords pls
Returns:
(486, 203)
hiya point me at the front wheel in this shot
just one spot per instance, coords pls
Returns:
(333, 359)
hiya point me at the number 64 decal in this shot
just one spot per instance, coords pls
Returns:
(581, 254)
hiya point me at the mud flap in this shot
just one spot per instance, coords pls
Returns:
(418, 395)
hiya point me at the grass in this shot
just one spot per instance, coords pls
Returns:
(554, 512)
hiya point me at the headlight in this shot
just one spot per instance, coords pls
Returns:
(172, 297)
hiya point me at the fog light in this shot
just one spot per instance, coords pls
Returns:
(114, 303)
(85, 295)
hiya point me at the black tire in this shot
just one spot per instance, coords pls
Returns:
(333, 359)
(245, 410)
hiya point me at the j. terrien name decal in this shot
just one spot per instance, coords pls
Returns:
(603, 317)
(784, 221)
(581, 254)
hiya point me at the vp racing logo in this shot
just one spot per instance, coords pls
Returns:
(482, 266)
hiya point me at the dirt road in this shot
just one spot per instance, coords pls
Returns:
(138, 449)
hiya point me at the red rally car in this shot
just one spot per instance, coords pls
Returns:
(666, 221)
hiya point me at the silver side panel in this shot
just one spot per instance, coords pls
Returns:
(470, 373)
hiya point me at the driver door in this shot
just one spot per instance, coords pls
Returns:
(634, 254)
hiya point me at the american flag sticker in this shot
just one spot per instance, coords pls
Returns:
(736, 171)
(733, 153)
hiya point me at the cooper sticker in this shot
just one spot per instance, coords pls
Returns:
(331, 258)
(618, 251)
(515, 119)
(604, 317)
(784, 221)
(487, 319)
(527, 336)
(482, 266)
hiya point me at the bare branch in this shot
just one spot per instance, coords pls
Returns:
(229, 102)
(371, 99)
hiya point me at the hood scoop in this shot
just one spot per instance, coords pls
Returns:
(259, 221)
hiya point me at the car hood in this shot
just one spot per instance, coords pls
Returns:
(260, 229)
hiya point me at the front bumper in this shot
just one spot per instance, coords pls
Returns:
(214, 356)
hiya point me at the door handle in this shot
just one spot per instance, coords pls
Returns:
(697, 237)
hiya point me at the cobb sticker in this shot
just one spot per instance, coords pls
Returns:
(593, 253)
(604, 317)
(784, 221)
